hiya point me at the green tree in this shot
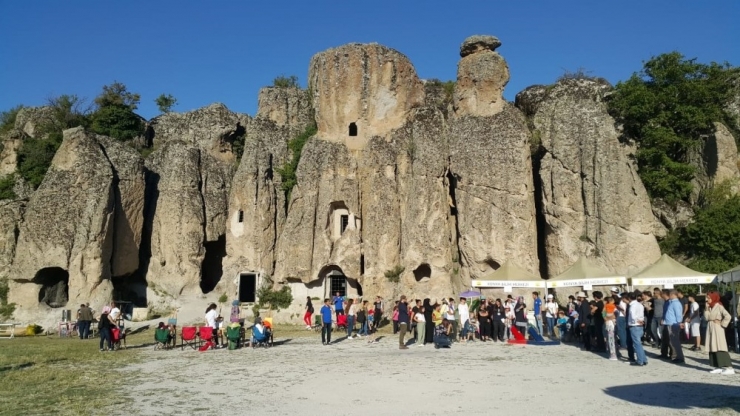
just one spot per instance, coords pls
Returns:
(115, 115)
(288, 171)
(117, 95)
(6, 187)
(286, 82)
(666, 108)
(712, 241)
(35, 156)
(68, 111)
(7, 118)
(165, 103)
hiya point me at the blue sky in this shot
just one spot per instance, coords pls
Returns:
(225, 51)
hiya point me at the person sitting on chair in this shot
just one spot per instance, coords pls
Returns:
(259, 332)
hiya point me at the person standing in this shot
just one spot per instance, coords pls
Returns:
(621, 321)
(464, 313)
(537, 305)
(635, 321)
(666, 350)
(309, 312)
(428, 336)
(584, 319)
(378, 315)
(450, 316)
(520, 316)
(394, 318)
(484, 322)
(403, 322)
(338, 301)
(351, 313)
(551, 314)
(421, 325)
(211, 319)
(656, 325)
(105, 323)
(499, 319)
(673, 320)
(84, 319)
(326, 323)
(694, 322)
(597, 313)
(717, 319)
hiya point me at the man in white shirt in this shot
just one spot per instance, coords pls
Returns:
(450, 315)
(464, 313)
(551, 314)
(636, 322)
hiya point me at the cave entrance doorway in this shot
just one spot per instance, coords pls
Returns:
(54, 283)
(247, 287)
(423, 272)
(212, 267)
(352, 129)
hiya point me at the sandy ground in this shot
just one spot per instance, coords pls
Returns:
(301, 376)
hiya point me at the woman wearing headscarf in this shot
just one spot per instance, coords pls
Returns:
(104, 325)
(520, 316)
(429, 328)
(717, 320)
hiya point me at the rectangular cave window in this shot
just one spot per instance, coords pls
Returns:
(247, 287)
(343, 222)
(352, 129)
(338, 284)
(241, 216)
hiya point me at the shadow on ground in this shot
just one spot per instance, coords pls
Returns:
(679, 395)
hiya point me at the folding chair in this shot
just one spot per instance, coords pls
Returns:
(162, 339)
(234, 336)
(188, 337)
(205, 336)
(317, 324)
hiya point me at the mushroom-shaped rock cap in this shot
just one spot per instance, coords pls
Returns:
(477, 43)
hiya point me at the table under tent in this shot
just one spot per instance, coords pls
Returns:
(667, 272)
(729, 281)
(586, 273)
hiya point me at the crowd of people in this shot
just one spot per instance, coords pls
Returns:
(615, 325)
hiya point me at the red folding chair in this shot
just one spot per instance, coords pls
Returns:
(342, 322)
(189, 337)
(205, 334)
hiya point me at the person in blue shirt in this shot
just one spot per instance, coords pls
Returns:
(338, 304)
(673, 320)
(537, 311)
(326, 323)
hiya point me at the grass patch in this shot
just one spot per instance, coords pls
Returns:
(63, 376)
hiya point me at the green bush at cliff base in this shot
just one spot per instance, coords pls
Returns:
(667, 108)
(274, 299)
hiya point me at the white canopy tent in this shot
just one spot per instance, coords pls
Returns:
(586, 272)
(729, 276)
(510, 275)
(668, 272)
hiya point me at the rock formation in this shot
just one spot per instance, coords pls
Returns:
(593, 201)
(71, 225)
(407, 180)
(482, 75)
(361, 91)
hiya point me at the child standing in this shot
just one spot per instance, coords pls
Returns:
(308, 314)
(395, 319)
(610, 320)
(562, 325)
(420, 327)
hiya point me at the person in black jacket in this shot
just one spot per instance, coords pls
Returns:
(429, 329)
(498, 315)
(584, 319)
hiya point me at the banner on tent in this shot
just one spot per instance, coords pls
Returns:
(593, 282)
(507, 283)
(673, 281)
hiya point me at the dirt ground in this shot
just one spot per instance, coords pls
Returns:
(301, 376)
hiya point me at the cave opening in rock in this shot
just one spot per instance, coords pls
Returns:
(212, 267)
(352, 129)
(422, 272)
(362, 264)
(54, 283)
(493, 264)
(452, 186)
(130, 288)
(241, 216)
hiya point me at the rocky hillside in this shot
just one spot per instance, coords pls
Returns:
(403, 188)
